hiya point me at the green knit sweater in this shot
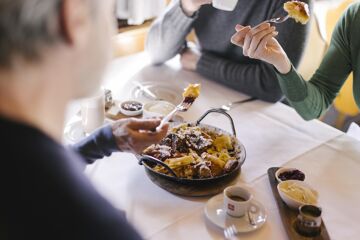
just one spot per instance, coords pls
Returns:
(312, 98)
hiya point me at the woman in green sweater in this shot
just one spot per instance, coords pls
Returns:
(310, 98)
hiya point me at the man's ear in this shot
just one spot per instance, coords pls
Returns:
(75, 21)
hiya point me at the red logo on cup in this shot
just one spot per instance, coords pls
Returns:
(231, 207)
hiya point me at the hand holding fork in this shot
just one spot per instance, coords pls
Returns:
(182, 107)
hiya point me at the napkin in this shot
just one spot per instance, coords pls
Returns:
(354, 131)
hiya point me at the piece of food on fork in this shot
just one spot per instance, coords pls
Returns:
(191, 93)
(298, 10)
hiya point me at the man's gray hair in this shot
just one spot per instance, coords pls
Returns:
(26, 26)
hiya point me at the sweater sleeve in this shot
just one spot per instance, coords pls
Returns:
(98, 145)
(254, 77)
(167, 35)
(312, 98)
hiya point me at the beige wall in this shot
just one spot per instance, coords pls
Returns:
(314, 51)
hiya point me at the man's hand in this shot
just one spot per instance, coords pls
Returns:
(191, 6)
(134, 135)
(189, 59)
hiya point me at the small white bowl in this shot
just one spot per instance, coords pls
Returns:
(294, 203)
(284, 169)
(157, 109)
(131, 113)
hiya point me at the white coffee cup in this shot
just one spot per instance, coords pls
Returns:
(93, 112)
(226, 5)
(237, 200)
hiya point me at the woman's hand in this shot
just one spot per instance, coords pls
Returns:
(260, 43)
(191, 6)
(134, 135)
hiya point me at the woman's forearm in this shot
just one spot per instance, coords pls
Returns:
(282, 64)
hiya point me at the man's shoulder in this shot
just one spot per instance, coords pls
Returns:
(26, 145)
(42, 187)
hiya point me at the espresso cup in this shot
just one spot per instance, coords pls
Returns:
(237, 201)
(226, 5)
(93, 112)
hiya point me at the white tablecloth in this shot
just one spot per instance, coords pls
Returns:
(273, 135)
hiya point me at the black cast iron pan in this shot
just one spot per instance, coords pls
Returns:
(196, 187)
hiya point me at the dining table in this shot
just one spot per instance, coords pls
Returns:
(273, 134)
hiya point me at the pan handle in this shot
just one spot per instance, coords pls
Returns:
(221, 111)
(144, 158)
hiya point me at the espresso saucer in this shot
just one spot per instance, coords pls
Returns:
(74, 132)
(215, 212)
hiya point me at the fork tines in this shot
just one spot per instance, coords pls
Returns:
(185, 106)
(230, 232)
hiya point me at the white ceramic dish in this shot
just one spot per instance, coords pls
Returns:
(131, 113)
(215, 213)
(291, 202)
(156, 109)
(281, 170)
(162, 91)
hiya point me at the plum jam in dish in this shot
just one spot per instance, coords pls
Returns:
(131, 108)
(292, 175)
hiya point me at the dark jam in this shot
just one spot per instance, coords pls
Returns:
(131, 106)
(189, 100)
(292, 175)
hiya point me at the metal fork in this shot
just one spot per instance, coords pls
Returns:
(230, 232)
(148, 93)
(275, 20)
(230, 105)
(182, 107)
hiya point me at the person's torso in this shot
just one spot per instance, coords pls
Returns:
(356, 76)
(214, 27)
(45, 193)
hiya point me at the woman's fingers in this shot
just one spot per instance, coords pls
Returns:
(249, 36)
(263, 43)
(256, 39)
(259, 28)
(238, 27)
(238, 37)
